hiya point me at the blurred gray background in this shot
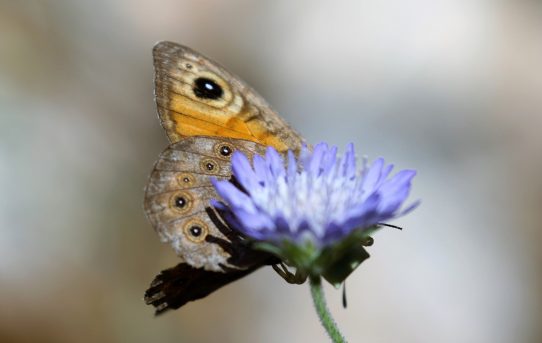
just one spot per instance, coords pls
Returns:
(452, 88)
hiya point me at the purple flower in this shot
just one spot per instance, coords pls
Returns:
(316, 201)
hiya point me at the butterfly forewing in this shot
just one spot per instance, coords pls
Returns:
(196, 96)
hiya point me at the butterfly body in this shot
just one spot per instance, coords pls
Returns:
(208, 114)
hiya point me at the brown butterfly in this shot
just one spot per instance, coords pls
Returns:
(207, 113)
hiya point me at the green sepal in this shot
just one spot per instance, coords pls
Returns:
(338, 261)
(334, 263)
(293, 254)
(337, 272)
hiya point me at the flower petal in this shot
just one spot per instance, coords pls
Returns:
(243, 172)
(233, 196)
(315, 164)
(320, 198)
(274, 163)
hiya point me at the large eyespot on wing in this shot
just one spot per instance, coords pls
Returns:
(177, 200)
(196, 96)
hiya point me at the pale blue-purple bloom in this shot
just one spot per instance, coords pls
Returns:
(319, 197)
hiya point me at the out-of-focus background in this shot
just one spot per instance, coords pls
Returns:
(452, 88)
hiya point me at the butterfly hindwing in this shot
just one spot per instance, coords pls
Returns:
(177, 198)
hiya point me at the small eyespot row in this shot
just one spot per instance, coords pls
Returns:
(209, 166)
(181, 202)
(185, 179)
(223, 150)
(196, 230)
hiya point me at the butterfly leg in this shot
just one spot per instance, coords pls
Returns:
(297, 278)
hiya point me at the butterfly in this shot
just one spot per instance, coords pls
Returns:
(207, 114)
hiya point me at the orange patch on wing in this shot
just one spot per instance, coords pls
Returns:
(192, 118)
(222, 117)
(197, 127)
(273, 141)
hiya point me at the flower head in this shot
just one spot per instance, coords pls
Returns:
(304, 208)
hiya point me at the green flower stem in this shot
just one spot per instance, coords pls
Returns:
(323, 312)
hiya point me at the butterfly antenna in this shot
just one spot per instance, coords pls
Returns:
(344, 295)
(389, 225)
